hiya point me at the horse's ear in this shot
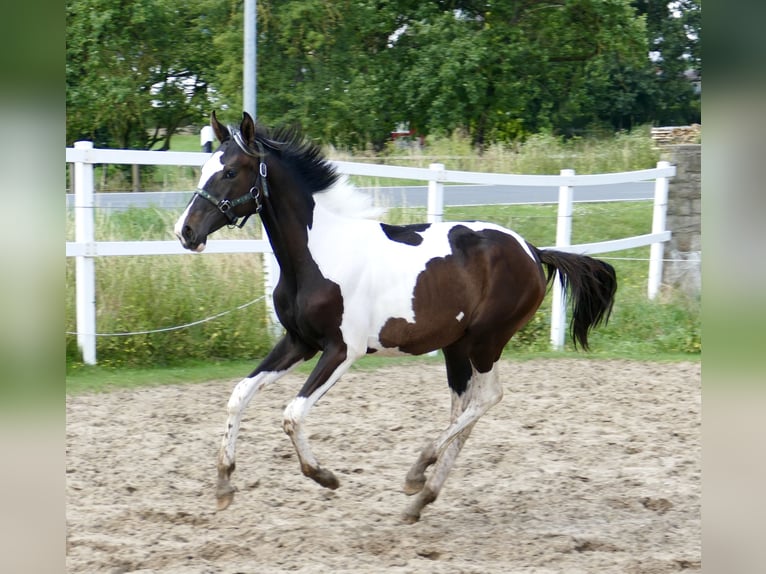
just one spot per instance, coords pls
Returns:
(220, 130)
(247, 127)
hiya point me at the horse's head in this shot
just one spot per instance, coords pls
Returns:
(232, 185)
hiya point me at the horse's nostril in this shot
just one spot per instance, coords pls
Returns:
(186, 232)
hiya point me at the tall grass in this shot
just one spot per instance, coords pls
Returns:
(540, 154)
(145, 293)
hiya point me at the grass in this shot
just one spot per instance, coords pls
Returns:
(142, 293)
(98, 378)
(137, 293)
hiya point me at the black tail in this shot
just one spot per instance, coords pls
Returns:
(592, 285)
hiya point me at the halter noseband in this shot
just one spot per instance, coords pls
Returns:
(226, 206)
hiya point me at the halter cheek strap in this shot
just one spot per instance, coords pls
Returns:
(226, 206)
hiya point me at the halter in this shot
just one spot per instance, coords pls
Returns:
(226, 206)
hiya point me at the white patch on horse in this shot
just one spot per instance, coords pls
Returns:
(181, 221)
(376, 276)
(521, 241)
(346, 200)
(295, 411)
(459, 316)
(211, 167)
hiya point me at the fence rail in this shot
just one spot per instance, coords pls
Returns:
(85, 248)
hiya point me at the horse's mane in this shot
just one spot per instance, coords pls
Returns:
(329, 188)
(303, 155)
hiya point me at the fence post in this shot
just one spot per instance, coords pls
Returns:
(85, 266)
(435, 209)
(270, 279)
(656, 251)
(563, 238)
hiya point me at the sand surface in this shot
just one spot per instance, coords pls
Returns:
(585, 466)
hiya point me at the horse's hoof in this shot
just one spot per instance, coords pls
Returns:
(223, 502)
(326, 479)
(409, 518)
(413, 486)
(224, 496)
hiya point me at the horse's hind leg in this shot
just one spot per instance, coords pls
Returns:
(429, 491)
(459, 373)
(416, 477)
(482, 391)
(287, 354)
(329, 368)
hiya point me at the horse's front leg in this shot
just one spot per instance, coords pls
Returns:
(328, 370)
(287, 354)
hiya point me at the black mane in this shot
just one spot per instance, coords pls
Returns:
(304, 157)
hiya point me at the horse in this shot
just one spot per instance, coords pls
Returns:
(350, 286)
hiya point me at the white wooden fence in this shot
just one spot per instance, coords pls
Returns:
(85, 248)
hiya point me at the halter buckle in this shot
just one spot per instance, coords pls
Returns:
(255, 193)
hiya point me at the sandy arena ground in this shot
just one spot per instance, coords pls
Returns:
(585, 466)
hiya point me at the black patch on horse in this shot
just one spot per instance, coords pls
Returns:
(407, 234)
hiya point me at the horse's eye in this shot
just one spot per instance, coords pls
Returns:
(229, 174)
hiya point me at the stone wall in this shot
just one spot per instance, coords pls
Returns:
(684, 220)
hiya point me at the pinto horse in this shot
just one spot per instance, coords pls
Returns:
(351, 286)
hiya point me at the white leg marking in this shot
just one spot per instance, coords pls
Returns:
(483, 391)
(241, 396)
(296, 412)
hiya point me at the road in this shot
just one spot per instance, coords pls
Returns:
(411, 196)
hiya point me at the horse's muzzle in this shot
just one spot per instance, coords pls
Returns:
(189, 240)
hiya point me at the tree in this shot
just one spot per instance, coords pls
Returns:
(503, 71)
(674, 32)
(136, 71)
(348, 71)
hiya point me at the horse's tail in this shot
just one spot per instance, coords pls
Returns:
(592, 284)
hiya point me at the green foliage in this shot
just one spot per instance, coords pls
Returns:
(348, 71)
(137, 71)
(674, 33)
(542, 153)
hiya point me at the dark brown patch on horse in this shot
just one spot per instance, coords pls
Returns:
(488, 268)
(407, 234)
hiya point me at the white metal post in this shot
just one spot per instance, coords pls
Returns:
(435, 210)
(563, 238)
(250, 60)
(270, 279)
(85, 266)
(656, 251)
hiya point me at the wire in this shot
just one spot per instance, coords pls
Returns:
(647, 259)
(175, 328)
